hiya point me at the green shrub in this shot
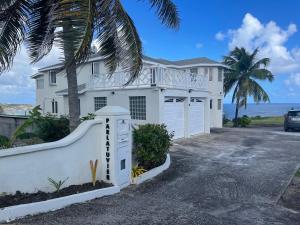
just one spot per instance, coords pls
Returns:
(4, 142)
(151, 145)
(26, 135)
(89, 116)
(50, 128)
(243, 121)
(47, 128)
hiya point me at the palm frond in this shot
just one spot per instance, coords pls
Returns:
(76, 18)
(262, 74)
(41, 28)
(167, 12)
(107, 36)
(257, 92)
(119, 42)
(13, 25)
(262, 62)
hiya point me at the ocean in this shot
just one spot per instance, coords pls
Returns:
(262, 109)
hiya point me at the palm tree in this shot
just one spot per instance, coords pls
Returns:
(243, 72)
(73, 25)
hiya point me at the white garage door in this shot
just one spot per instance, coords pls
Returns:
(196, 116)
(173, 115)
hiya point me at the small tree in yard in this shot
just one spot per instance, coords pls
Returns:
(73, 24)
(244, 70)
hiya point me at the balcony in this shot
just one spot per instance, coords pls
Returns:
(152, 77)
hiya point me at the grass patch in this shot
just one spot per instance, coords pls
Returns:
(263, 121)
(297, 173)
(276, 120)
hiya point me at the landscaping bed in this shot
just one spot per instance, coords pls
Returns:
(24, 198)
(291, 197)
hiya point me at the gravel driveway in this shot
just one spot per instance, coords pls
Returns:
(233, 176)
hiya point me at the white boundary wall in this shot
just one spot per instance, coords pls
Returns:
(28, 168)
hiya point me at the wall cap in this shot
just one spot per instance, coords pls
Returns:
(112, 111)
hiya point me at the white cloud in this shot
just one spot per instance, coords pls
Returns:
(199, 45)
(16, 84)
(271, 39)
(220, 36)
(293, 80)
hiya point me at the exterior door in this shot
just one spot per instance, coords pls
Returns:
(196, 116)
(173, 115)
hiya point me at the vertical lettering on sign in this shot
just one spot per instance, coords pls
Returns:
(107, 128)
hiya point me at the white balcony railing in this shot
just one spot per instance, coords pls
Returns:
(152, 76)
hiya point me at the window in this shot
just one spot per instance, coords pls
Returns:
(194, 70)
(220, 75)
(40, 83)
(100, 102)
(205, 70)
(52, 77)
(137, 105)
(96, 68)
(54, 107)
(210, 103)
(123, 164)
(219, 104)
(210, 74)
(195, 99)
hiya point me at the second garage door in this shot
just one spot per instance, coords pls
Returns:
(173, 115)
(196, 116)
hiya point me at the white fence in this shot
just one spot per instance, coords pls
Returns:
(151, 76)
(28, 168)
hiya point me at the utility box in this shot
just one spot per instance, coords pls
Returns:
(116, 160)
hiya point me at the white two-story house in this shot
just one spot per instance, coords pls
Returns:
(186, 95)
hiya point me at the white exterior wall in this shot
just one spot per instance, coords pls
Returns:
(216, 89)
(48, 93)
(121, 98)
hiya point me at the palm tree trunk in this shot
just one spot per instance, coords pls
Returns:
(235, 124)
(73, 101)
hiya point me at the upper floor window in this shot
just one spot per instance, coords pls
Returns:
(220, 74)
(137, 106)
(96, 68)
(40, 83)
(210, 103)
(219, 104)
(52, 77)
(210, 74)
(54, 107)
(100, 102)
(194, 70)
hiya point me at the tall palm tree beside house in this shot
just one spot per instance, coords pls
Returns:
(73, 25)
(242, 75)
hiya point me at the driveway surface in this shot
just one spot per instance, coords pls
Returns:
(233, 176)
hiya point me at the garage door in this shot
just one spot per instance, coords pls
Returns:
(196, 116)
(173, 115)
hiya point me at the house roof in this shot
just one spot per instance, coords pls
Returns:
(185, 62)
(179, 63)
(81, 89)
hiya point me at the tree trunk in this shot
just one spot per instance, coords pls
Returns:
(235, 124)
(74, 111)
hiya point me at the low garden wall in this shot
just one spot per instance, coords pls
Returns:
(27, 169)
(9, 123)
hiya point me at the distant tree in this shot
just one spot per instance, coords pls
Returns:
(242, 74)
(73, 24)
(1, 109)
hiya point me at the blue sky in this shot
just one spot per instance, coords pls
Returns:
(208, 28)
